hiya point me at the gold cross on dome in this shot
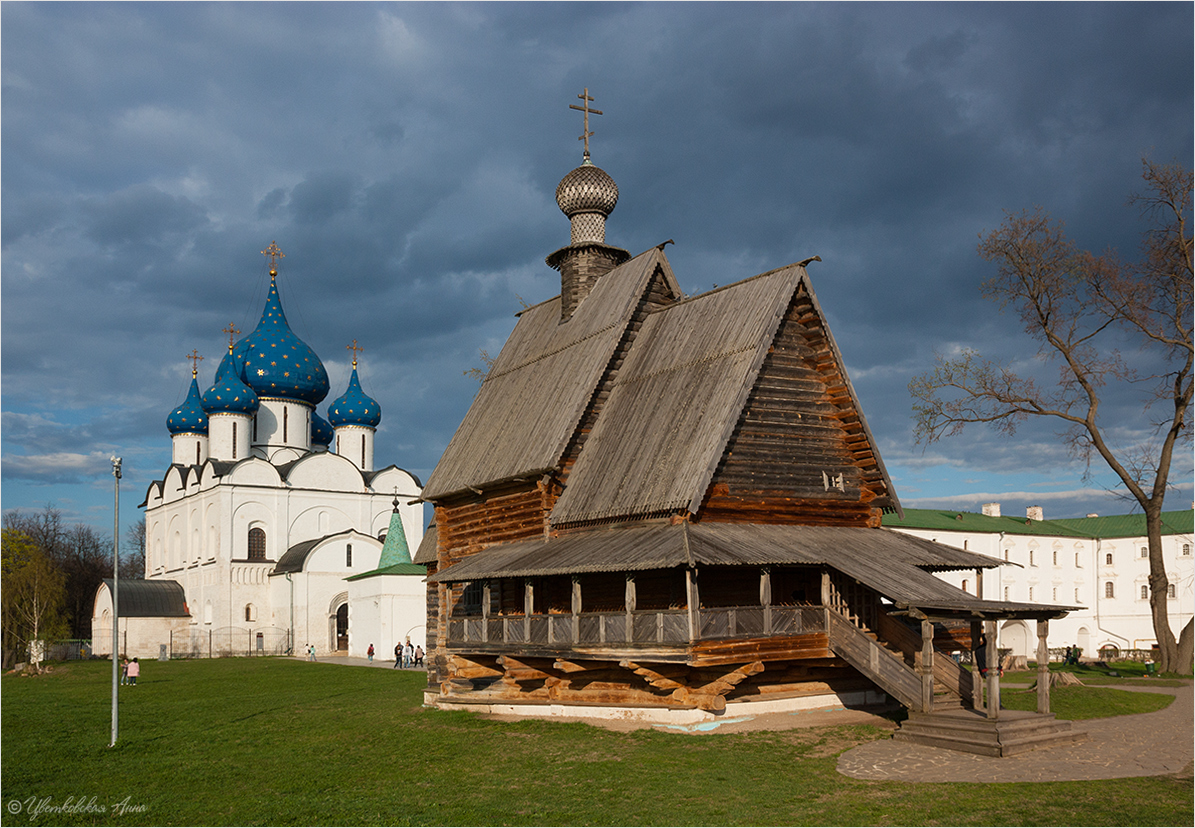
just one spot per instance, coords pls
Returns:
(354, 348)
(232, 330)
(274, 253)
(585, 108)
(195, 360)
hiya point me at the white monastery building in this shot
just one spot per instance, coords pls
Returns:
(1098, 563)
(260, 538)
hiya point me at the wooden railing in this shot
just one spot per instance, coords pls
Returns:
(642, 627)
(875, 661)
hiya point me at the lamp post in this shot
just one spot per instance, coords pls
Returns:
(115, 597)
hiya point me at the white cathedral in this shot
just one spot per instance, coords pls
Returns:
(259, 538)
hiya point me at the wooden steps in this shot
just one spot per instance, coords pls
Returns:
(972, 732)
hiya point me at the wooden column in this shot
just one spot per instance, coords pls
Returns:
(630, 600)
(976, 677)
(528, 608)
(485, 611)
(691, 598)
(765, 598)
(1043, 667)
(926, 668)
(993, 687)
(576, 609)
(825, 587)
(978, 582)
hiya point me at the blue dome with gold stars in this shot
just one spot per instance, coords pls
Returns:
(321, 431)
(276, 362)
(229, 395)
(189, 418)
(355, 407)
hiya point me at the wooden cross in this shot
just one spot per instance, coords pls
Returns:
(585, 108)
(195, 360)
(274, 253)
(354, 348)
(232, 330)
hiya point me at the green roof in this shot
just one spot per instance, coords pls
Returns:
(1113, 526)
(393, 569)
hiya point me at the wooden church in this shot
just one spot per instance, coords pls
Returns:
(667, 507)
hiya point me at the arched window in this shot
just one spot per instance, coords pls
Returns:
(257, 544)
(250, 612)
(363, 452)
(964, 584)
(1186, 549)
(1006, 554)
(1170, 593)
(1031, 563)
(1145, 551)
(285, 420)
(196, 452)
(1030, 593)
(1006, 593)
(964, 545)
(1109, 590)
(1055, 594)
(348, 555)
(234, 441)
(1108, 559)
(1144, 592)
(1076, 593)
(1055, 557)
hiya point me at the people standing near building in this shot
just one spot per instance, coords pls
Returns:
(134, 670)
(369, 654)
(124, 669)
(981, 655)
(397, 655)
(408, 653)
(418, 655)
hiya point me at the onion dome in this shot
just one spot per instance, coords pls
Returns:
(321, 431)
(276, 362)
(354, 406)
(229, 395)
(587, 189)
(189, 418)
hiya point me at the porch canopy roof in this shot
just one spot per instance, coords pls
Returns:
(896, 565)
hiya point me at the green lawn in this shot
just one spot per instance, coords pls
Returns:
(1087, 702)
(274, 741)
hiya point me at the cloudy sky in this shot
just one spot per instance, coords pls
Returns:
(405, 158)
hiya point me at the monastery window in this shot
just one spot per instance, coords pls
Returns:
(1170, 593)
(1145, 551)
(362, 452)
(1006, 555)
(1030, 593)
(1031, 563)
(257, 544)
(196, 452)
(250, 612)
(207, 612)
(1055, 557)
(234, 441)
(285, 420)
(964, 546)
(348, 555)
(1006, 593)
(1186, 549)
(1109, 590)
(1078, 560)
(1108, 559)
(1076, 594)
(255, 429)
(1055, 594)
(964, 584)
(1144, 592)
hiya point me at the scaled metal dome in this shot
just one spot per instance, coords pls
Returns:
(587, 189)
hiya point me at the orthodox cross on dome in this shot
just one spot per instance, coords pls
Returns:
(195, 360)
(354, 348)
(232, 330)
(274, 253)
(585, 108)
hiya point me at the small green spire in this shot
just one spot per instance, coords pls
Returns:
(394, 550)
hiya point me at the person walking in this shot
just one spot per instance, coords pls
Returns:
(418, 655)
(408, 653)
(369, 653)
(124, 670)
(397, 655)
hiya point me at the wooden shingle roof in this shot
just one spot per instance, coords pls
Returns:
(532, 399)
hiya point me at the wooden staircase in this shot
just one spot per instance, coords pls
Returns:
(970, 731)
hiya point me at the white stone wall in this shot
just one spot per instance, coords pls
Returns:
(386, 610)
(1070, 571)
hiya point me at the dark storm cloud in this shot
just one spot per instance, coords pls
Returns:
(405, 157)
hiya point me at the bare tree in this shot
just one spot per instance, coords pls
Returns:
(132, 553)
(1079, 307)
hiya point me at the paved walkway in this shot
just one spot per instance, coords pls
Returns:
(353, 661)
(1148, 744)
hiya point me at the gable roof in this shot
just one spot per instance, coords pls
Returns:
(536, 392)
(150, 599)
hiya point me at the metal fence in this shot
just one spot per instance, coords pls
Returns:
(225, 642)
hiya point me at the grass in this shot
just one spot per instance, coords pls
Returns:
(1117, 672)
(1077, 703)
(283, 742)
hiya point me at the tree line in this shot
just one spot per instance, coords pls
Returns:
(50, 573)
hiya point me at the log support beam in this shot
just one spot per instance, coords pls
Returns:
(1043, 667)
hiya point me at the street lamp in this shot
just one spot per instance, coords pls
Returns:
(115, 597)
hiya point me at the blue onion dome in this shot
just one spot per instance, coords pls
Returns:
(321, 431)
(354, 406)
(229, 394)
(277, 363)
(189, 418)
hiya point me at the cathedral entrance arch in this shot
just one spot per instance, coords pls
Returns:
(338, 622)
